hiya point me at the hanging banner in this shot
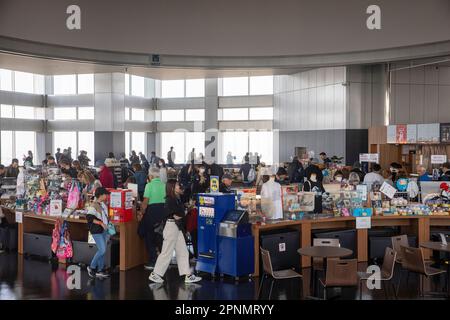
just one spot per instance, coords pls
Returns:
(401, 134)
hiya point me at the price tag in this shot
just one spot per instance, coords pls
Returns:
(363, 223)
(19, 217)
(388, 190)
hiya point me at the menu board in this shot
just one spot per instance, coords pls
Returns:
(411, 133)
(428, 133)
(445, 132)
(391, 134)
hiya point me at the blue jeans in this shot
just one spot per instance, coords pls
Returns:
(98, 261)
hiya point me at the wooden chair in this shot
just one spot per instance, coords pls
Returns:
(340, 273)
(276, 275)
(318, 262)
(413, 261)
(397, 243)
(386, 273)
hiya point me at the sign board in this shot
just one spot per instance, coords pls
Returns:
(55, 209)
(206, 201)
(438, 158)
(428, 133)
(388, 190)
(134, 189)
(207, 212)
(411, 133)
(445, 132)
(214, 184)
(391, 134)
(363, 222)
(19, 217)
(369, 157)
(401, 133)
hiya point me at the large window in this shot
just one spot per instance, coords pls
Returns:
(21, 112)
(237, 86)
(66, 113)
(6, 79)
(23, 82)
(261, 85)
(195, 115)
(86, 113)
(195, 88)
(6, 111)
(135, 141)
(230, 114)
(127, 84)
(261, 113)
(182, 143)
(82, 140)
(137, 114)
(16, 144)
(172, 88)
(85, 83)
(65, 84)
(172, 115)
(137, 86)
(241, 142)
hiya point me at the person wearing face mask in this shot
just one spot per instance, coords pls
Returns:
(313, 168)
(282, 176)
(374, 176)
(201, 181)
(271, 199)
(314, 185)
(338, 176)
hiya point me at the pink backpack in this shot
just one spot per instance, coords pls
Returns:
(64, 250)
(74, 196)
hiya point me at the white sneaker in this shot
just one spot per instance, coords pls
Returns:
(155, 278)
(192, 278)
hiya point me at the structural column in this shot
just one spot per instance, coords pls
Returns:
(211, 120)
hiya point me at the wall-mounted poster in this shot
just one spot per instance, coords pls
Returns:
(411, 133)
(428, 133)
(445, 132)
(391, 134)
(401, 133)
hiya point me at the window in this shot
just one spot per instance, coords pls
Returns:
(237, 86)
(64, 140)
(23, 82)
(175, 140)
(138, 142)
(85, 83)
(6, 111)
(195, 115)
(6, 156)
(127, 84)
(236, 142)
(172, 115)
(86, 143)
(39, 113)
(127, 113)
(172, 88)
(262, 142)
(69, 113)
(261, 85)
(261, 113)
(64, 84)
(21, 112)
(234, 114)
(25, 141)
(137, 114)
(195, 140)
(39, 84)
(5, 80)
(195, 88)
(137, 86)
(86, 113)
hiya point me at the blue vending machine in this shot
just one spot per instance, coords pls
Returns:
(236, 245)
(211, 211)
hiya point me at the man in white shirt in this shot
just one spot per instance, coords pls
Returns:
(374, 176)
(171, 157)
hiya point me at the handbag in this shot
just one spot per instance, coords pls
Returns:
(111, 229)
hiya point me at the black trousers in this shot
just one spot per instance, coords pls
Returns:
(154, 214)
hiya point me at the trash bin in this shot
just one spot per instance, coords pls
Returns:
(282, 246)
(347, 238)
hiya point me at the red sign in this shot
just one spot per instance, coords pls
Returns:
(401, 134)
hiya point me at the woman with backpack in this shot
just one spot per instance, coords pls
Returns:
(174, 237)
(97, 218)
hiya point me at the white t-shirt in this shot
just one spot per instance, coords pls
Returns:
(373, 177)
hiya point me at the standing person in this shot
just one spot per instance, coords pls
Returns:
(13, 169)
(445, 172)
(191, 156)
(58, 155)
(154, 213)
(374, 176)
(245, 172)
(123, 160)
(213, 169)
(174, 237)
(28, 159)
(77, 165)
(144, 162)
(325, 159)
(134, 158)
(89, 182)
(200, 182)
(104, 174)
(229, 158)
(295, 171)
(171, 157)
(162, 170)
(153, 159)
(66, 168)
(97, 218)
(83, 159)
(69, 153)
(140, 176)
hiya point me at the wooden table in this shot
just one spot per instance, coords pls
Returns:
(438, 246)
(419, 226)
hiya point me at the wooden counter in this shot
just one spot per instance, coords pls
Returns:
(132, 250)
(412, 225)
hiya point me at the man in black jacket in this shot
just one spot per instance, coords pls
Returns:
(313, 168)
(295, 171)
(445, 172)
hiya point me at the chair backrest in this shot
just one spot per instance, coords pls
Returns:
(413, 259)
(324, 242)
(387, 269)
(342, 272)
(267, 263)
(398, 242)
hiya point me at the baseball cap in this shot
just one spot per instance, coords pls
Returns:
(227, 176)
(101, 191)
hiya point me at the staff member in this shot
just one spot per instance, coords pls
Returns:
(225, 186)
(174, 238)
(97, 218)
